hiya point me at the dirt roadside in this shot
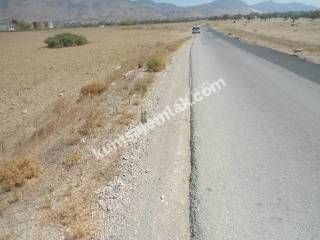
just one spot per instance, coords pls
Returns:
(53, 196)
(149, 200)
(300, 39)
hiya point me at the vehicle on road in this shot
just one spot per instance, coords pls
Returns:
(195, 30)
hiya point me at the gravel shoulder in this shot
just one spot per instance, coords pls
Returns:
(150, 198)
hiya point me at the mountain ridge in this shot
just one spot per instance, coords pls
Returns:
(272, 6)
(122, 10)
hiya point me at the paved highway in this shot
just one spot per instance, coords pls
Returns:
(256, 143)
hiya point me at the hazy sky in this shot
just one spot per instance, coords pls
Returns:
(194, 2)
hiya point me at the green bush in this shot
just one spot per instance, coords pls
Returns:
(65, 40)
(154, 65)
(23, 26)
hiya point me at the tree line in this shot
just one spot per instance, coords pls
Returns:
(293, 16)
(267, 16)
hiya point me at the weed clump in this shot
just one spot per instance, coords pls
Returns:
(155, 65)
(74, 217)
(141, 87)
(93, 89)
(72, 159)
(16, 173)
(126, 118)
(94, 120)
(65, 40)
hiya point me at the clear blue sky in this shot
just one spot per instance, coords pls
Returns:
(195, 2)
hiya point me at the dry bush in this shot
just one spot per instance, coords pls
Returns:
(126, 118)
(72, 159)
(5, 237)
(141, 87)
(93, 121)
(71, 140)
(15, 173)
(46, 130)
(93, 89)
(60, 106)
(74, 216)
(15, 197)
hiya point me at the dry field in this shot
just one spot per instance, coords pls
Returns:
(278, 34)
(54, 103)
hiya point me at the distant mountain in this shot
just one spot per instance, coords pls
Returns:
(121, 10)
(271, 6)
(220, 7)
(112, 10)
(228, 4)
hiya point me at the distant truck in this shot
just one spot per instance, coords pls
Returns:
(195, 29)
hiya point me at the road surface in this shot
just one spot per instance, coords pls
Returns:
(256, 143)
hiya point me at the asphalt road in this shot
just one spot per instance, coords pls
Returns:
(256, 143)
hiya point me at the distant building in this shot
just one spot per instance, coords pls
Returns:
(42, 25)
(39, 25)
(50, 25)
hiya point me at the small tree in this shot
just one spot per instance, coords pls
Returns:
(294, 18)
(23, 25)
(313, 15)
(225, 17)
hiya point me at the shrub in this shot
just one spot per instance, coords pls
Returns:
(74, 218)
(23, 26)
(93, 121)
(14, 174)
(126, 118)
(72, 159)
(93, 89)
(154, 65)
(141, 87)
(65, 40)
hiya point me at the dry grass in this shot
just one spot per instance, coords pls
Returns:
(277, 34)
(15, 197)
(47, 202)
(45, 130)
(93, 89)
(60, 106)
(93, 121)
(141, 87)
(6, 237)
(27, 83)
(125, 118)
(15, 173)
(62, 121)
(74, 217)
(72, 159)
(155, 65)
